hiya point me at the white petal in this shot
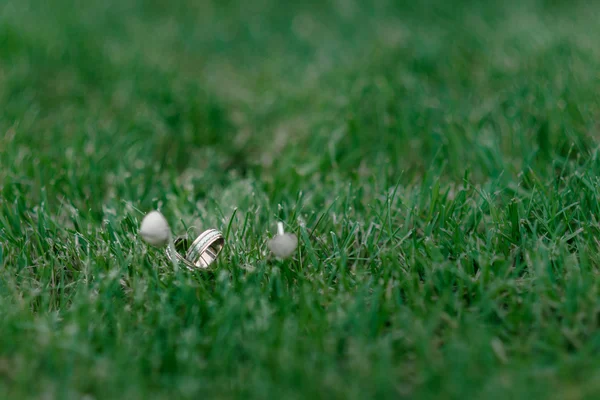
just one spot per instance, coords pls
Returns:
(155, 229)
(283, 246)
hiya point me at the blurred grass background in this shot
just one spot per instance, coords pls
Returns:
(438, 161)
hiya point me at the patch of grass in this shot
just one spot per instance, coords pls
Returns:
(438, 162)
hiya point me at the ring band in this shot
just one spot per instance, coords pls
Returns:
(205, 249)
(202, 252)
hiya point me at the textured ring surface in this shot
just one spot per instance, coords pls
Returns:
(205, 249)
(201, 253)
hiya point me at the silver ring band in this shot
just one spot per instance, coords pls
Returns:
(205, 249)
(202, 252)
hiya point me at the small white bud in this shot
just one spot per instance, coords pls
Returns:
(155, 229)
(283, 244)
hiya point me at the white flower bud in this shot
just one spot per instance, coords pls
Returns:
(155, 229)
(283, 244)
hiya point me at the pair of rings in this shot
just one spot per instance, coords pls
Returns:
(201, 253)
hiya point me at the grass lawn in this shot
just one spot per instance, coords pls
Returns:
(438, 161)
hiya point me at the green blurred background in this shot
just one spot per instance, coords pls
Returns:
(412, 143)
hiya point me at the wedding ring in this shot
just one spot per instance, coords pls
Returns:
(202, 252)
(205, 249)
(180, 245)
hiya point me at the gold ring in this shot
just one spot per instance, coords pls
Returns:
(202, 252)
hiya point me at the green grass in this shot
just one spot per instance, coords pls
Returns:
(439, 163)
